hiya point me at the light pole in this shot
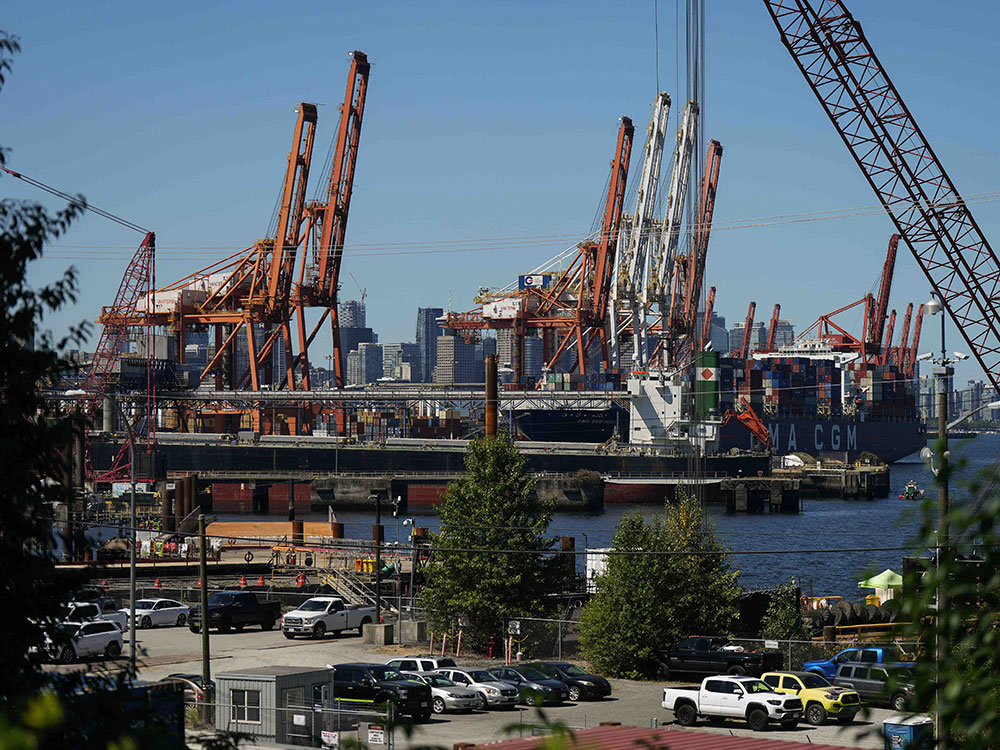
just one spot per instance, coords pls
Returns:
(942, 374)
(132, 521)
(413, 559)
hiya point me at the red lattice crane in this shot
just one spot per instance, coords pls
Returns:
(745, 415)
(887, 349)
(876, 325)
(930, 215)
(909, 363)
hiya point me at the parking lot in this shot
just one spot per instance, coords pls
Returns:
(167, 650)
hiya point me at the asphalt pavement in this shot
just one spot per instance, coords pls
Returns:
(167, 650)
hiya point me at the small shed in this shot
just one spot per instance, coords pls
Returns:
(275, 704)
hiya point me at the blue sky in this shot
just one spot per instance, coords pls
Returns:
(483, 120)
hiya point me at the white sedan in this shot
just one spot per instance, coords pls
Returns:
(152, 612)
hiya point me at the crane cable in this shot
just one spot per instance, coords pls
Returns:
(77, 201)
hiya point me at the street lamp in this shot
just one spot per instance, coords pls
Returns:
(413, 560)
(132, 521)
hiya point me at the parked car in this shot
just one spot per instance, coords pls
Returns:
(378, 684)
(820, 698)
(533, 687)
(492, 692)
(235, 609)
(73, 640)
(872, 681)
(325, 614)
(726, 697)
(151, 613)
(98, 609)
(445, 694)
(421, 663)
(867, 655)
(704, 655)
(580, 684)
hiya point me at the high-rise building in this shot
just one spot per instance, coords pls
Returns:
(364, 365)
(395, 356)
(718, 335)
(428, 331)
(457, 361)
(784, 333)
(351, 314)
(758, 336)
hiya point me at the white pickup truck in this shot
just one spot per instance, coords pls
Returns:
(730, 697)
(325, 614)
(96, 610)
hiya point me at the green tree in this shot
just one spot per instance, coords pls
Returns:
(666, 578)
(783, 618)
(34, 436)
(494, 507)
(961, 683)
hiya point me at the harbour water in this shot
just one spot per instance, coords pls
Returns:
(773, 549)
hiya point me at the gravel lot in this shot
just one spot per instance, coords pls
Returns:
(167, 650)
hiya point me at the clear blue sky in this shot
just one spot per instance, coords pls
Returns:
(484, 120)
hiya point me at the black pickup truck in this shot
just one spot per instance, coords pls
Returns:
(233, 610)
(362, 683)
(712, 656)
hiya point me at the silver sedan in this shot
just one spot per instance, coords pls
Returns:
(445, 694)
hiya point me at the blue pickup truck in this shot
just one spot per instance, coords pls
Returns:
(866, 654)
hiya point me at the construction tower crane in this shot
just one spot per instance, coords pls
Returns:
(930, 215)
(632, 267)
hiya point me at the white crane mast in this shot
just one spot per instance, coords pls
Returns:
(662, 260)
(632, 269)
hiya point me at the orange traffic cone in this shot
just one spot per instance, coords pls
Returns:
(243, 582)
(104, 583)
(157, 584)
(260, 581)
(198, 585)
(301, 580)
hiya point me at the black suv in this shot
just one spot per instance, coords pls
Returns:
(361, 683)
(582, 685)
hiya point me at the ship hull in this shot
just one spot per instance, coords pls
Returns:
(889, 440)
(571, 425)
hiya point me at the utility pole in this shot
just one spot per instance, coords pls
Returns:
(378, 558)
(206, 664)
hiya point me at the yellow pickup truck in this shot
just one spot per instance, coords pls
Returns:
(820, 698)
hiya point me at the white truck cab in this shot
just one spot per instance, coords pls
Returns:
(731, 697)
(325, 614)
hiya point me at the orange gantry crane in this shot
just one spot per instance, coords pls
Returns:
(571, 312)
(250, 302)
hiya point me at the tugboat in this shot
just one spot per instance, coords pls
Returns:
(911, 491)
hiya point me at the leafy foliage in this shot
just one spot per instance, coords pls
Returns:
(967, 670)
(494, 507)
(35, 437)
(645, 602)
(783, 618)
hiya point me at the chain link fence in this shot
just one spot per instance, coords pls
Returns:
(795, 653)
(321, 726)
(540, 638)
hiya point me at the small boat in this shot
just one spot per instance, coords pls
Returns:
(912, 492)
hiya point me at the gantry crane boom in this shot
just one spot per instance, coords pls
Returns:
(910, 365)
(288, 237)
(662, 260)
(886, 356)
(747, 327)
(773, 328)
(699, 241)
(900, 351)
(706, 325)
(632, 269)
(604, 256)
(881, 307)
(930, 215)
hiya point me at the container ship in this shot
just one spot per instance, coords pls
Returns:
(812, 399)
